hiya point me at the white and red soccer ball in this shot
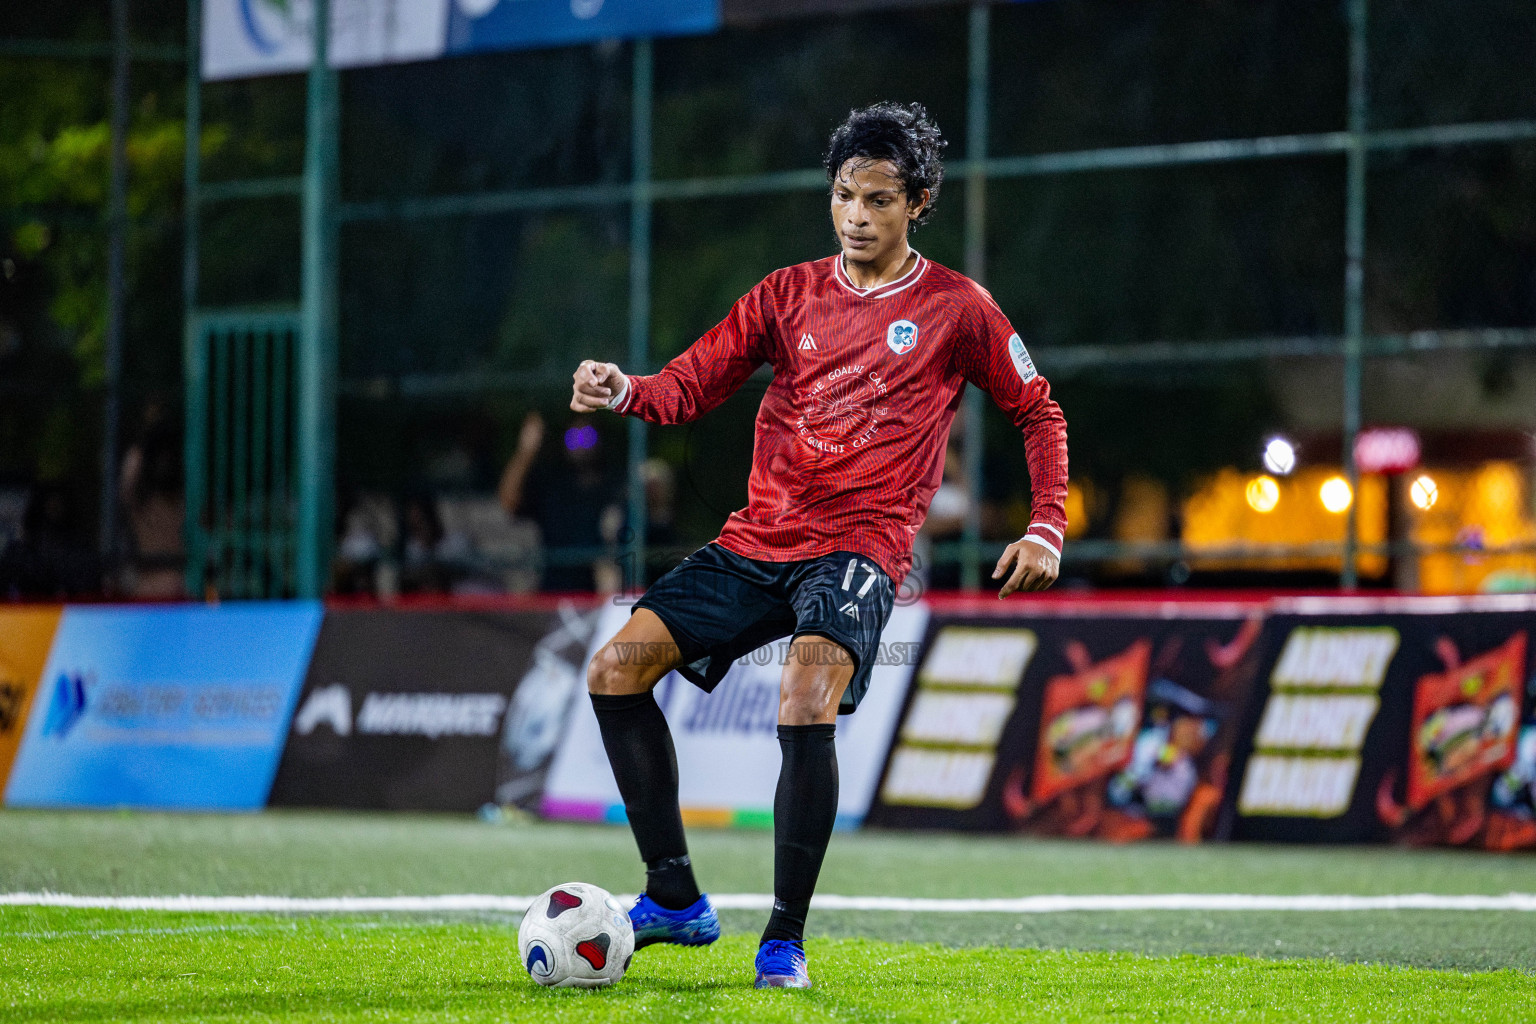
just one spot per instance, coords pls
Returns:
(576, 936)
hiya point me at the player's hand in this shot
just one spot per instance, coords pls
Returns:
(1034, 568)
(595, 385)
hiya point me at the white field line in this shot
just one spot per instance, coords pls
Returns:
(762, 901)
(196, 929)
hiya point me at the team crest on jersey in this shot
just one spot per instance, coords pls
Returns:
(901, 336)
(1021, 361)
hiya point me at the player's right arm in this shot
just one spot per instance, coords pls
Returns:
(695, 382)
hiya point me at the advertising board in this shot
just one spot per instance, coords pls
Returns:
(163, 707)
(1402, 719)
(1118, 726)
(444, 709)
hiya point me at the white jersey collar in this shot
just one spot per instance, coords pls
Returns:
(880, 291)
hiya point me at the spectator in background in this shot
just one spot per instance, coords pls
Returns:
(367, 530)
(154, 504)
(661, 539)
(575, 500)
(430, 556)
(51, 560)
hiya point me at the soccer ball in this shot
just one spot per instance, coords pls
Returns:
(576, 936)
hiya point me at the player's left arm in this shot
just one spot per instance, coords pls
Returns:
(990, 354)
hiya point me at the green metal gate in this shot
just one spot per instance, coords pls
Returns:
(242, 453)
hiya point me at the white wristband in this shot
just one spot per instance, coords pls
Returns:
(617, 400)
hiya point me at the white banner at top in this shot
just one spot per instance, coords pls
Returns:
(245, 38)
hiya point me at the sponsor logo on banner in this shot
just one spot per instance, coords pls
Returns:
(1088, 722)
(1466, 777)
(164, 707)
(1464, 722)
(967, 689)
(67, 706)
(329, 705)
(432, 715)
(750, 706)
(1324, 656)
(26, 636)
(1322, 701)
(269, 24)
(937, 778)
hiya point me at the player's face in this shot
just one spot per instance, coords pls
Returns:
(871, 211)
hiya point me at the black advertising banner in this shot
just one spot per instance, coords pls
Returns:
(1395, 720)
(432, 709)
(1114, 726)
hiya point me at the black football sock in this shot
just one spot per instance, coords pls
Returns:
(804, 810)
(639, 747)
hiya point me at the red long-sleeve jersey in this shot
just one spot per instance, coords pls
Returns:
(851, 433)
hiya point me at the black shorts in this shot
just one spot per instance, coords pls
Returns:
(720, 606)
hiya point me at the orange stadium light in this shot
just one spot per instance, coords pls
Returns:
(1424, 492)
(1335, 494)
(1263, 494)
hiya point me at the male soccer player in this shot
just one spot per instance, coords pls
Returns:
(871, 350)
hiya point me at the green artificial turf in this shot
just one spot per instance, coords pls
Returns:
(63, 964)
(333, 854)
(329, 970)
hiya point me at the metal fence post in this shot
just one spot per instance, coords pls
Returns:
(976, 127)
(117, 229)
(194, 356)
(317, 341)
(1354, 278)
(641, 100)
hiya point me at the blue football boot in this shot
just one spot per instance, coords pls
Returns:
(697, 925)
(781, 964)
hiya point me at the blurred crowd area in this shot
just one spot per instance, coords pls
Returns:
(453, 328)
(548, 513)
(551, 517)
(548, 509)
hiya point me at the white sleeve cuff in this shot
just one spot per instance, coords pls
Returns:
(1053, 549)
(1048, 526)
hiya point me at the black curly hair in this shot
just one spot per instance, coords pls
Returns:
(902, 134)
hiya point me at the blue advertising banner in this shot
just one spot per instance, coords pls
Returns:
(168, 707)
(245, 38)
(522, 24)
